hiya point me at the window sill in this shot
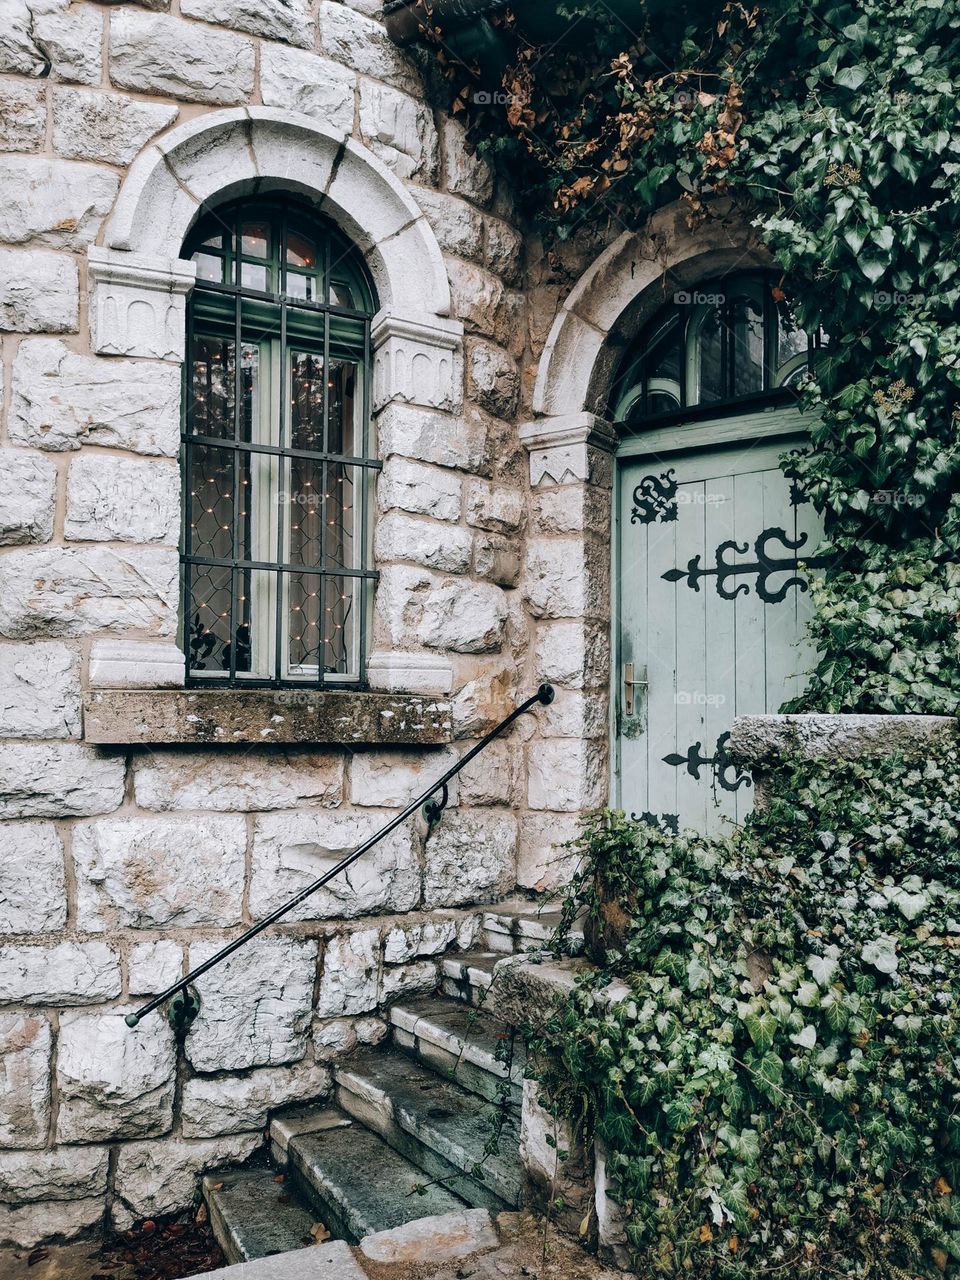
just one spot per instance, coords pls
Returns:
(203, 717)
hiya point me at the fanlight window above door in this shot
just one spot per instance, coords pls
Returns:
(725, 342)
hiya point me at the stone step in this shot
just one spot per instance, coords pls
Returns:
(467, 975)
(517, 924)
(358, 1184)
(254, 1216)
(462, 1044)
(436, 1124)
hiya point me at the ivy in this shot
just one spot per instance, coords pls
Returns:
(835, 129)
(776, 1076)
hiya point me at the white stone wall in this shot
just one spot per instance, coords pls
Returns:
(120, 869)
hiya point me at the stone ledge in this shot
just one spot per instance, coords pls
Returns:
(264, 716)
(764, 741)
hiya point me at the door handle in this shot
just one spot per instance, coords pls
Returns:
(629, 684)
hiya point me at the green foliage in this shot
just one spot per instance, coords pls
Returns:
(776, 1080)
(835, 128)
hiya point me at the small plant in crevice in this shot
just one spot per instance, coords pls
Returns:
(777, 1080)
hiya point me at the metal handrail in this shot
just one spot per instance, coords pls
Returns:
(544, 696)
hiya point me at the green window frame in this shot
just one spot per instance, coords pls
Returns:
(277, 451)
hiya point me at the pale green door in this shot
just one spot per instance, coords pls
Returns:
(713, 606)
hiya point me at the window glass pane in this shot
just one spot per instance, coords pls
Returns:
(308, 513)
(747, 326)
(340, 542)
(321, 612)
(215, 240)
(209, 267)
(255, 240)
(254, 276)
(663, 375)
(212, 386)
(252, 403)
(208, 620)
(706, 332)
(791, 354)
(303, 288)
(345, 404)
(306, 401)
(301, 252)
(210, 505)
(260, 590)
(341, 295)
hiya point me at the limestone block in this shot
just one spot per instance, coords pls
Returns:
(391, 779)
(55, 203)
(484, 305)
(484, 701)
(33, 895)
(457, 225)
(400, 131)
(574, 654)
(398, 605)
(372, 1031)
(256, 1005)
(39, 690)
(26, 1041)
(65, 1173)
(556, 583)
(413, 672)
(572, 508)
(123, 500)
(409, 486)
(23, 114)
(64, 974)
(348, 983)
(434, 1239)
(431, 437)
(71, 592)
(430, 938)
(58, 780)
(313, 86)
(154, 1178)
(331, 1039)
(154, 872)
(503, 250)
(438, 546)
(28, 486)
(70, 38)
(492, 777)
(152, 967)
(575, 715)
(496, 507)
(287, 20)
(363, 44)
(466, 173)
(138, 308)
(497, 559)
(39, 292)
(566, 775)
(493, 381)
(418, 978)
(29, 1224)
(62, 400)
(133, 664)
(470, 857)
(114, 1081)
(214, 780)
(19, 50)
(109, 127)
(418, 361)
(543, 863)
(465, 617)
(290, 850)
(157, 53)
(232, 1104)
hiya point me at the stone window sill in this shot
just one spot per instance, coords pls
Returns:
(201, 717)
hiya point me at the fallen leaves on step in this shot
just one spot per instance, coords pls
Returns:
(320, 1233)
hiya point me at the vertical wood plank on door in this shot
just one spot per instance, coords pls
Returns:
(720, 643)
(661, 735)
(693, 798)
(751, 674)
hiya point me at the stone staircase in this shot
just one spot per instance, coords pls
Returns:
(426, 1124)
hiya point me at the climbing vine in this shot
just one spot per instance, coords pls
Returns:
(775, 1074)
(834, 128)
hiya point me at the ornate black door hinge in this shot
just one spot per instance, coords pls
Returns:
(668, 823)
(655, 498)
(766, 566)
(720, 762)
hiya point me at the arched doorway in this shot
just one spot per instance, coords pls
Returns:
(710, 597)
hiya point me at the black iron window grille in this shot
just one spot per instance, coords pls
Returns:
(277, 451)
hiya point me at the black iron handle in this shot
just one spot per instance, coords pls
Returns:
(544, 696)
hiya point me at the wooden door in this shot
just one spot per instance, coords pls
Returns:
(714, 545)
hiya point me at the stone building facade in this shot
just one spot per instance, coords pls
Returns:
(145, 823)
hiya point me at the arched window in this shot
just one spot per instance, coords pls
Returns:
(726, 342)
(277, 450)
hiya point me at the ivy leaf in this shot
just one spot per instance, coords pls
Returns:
(851, 77)
(761, 1028)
